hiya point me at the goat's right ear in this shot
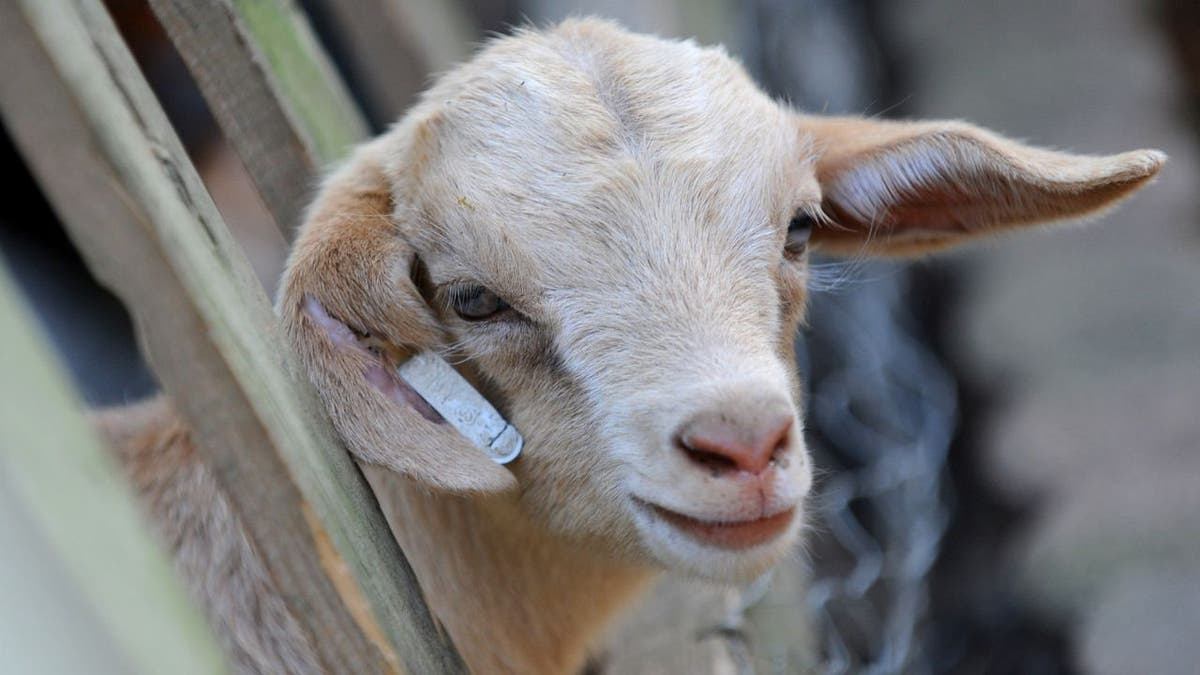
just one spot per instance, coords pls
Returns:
(348, 302)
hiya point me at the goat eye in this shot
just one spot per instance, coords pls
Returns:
(800, 228)
(476, 303)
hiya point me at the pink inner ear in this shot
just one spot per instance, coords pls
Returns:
(385, 379)
(912, 202)
(918, 189)
(942, 211)
(337, 332)
(380, 373)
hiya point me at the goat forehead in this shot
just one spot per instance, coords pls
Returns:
(620, 224)
(574, 154)
(596, 82)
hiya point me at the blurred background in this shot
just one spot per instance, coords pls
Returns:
(1010, 435)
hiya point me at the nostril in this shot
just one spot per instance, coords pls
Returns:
(713, 462)
(720, 446)
(780, 442)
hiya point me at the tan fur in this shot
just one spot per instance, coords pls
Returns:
(629, 197)
(205, 535)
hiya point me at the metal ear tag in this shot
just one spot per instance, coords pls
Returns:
(463, 407)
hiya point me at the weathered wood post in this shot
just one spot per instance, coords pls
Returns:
(102, 149)
(55, 473)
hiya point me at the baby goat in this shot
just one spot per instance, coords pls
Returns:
(608, 233)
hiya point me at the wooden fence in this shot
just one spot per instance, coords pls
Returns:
(89, 127)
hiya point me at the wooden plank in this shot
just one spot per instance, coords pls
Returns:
(105, 155)
(244, 53)
(64, 483)
(272, 90)
(392, 46)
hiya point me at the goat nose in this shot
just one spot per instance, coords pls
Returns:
(719, 444)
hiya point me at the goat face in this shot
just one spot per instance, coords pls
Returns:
(608, 234)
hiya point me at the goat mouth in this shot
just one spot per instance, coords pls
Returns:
(730, 535)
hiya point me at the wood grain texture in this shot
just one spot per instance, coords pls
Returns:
(54, 468)
(272, 90)
(94, 136)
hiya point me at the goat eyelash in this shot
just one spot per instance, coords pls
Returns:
(463, 298)
(804, 220)
(463, 292)
(814, 211)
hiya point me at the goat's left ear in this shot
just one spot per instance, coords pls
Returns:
(348, 303)
(901, 188)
